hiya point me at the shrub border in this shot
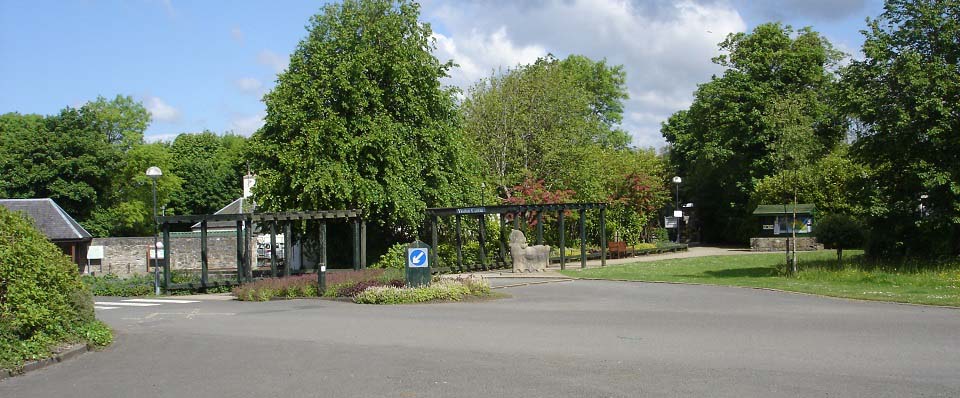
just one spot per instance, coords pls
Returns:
(68, 353)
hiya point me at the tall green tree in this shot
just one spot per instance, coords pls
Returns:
(722, 143)
(550, 120)
(906, 94)
(836, 183)
(84, 158)
(64, 158)
(122, 119)
(359, 120)
(211, 167)
(129, 211)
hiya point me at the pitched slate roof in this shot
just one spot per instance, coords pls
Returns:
(772, 210)
(239, 206)
(49, 218)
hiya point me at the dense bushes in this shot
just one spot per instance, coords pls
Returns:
(142, 285)
(840, 232)
(395, 257)
(112, 285)
(42, 301)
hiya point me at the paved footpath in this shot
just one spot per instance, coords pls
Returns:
(569, 339)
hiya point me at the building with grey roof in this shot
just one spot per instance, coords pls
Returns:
(48, 217)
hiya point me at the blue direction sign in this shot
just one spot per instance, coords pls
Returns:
(418, 257)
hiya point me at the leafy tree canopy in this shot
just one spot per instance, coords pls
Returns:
(360, 120)
(906, 95)
(722, 143)
(212, 169)
(549, 120)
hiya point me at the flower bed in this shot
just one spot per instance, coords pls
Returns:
(339, 284)
(440, 290)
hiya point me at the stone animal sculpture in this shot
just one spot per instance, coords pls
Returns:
(527, 258)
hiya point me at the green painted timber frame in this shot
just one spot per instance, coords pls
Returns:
(267, 222)
(518, 212)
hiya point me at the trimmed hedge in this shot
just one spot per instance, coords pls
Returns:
(43, 303)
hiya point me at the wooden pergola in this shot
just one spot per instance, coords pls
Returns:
(518, 212)
(245, 222)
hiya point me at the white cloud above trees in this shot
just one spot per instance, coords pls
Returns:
(160, 111)
(665, 46)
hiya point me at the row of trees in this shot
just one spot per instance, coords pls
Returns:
(92, 160)
(361, 120)
(876, 139)
(358, 120)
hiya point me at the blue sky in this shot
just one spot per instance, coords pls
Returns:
(205, 64)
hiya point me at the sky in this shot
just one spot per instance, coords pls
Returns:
(205, 65)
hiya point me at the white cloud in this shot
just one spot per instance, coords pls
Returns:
(246, 125)
(276, 62)
(249, 85)
(167, 137)
(236, 34)
(665, 46)
(479, 54)
(161, 111)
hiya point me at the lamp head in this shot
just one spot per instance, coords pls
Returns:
(154, 172)
(677, 180)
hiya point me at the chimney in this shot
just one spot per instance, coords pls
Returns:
(249, 181)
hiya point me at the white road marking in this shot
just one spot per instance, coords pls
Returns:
(161, 301)
(126, 304)
(104, 307)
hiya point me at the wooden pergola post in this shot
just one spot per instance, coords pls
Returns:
(204, 261)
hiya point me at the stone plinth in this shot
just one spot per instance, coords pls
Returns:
(779, 244)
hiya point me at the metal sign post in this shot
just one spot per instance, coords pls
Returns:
(418, 264)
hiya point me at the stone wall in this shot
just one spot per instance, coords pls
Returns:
(126, 256)
(779, 244)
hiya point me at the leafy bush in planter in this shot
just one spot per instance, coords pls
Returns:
(43, 303)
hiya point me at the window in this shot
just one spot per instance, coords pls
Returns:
(782, 225)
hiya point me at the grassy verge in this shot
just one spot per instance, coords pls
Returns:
(819, 274)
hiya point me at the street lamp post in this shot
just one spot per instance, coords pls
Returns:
(677, 213)
(922, 197)
(154, 173)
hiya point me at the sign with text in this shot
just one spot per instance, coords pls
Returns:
(669, 222)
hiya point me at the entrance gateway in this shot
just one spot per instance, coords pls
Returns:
(533, 211)
(246, 224)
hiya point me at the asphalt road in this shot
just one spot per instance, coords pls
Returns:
(567, 339)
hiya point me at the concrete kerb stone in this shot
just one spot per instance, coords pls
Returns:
(68, 353)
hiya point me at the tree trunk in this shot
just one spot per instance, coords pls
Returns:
(839, 257)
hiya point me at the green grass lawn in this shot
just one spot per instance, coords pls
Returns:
(818, 275)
